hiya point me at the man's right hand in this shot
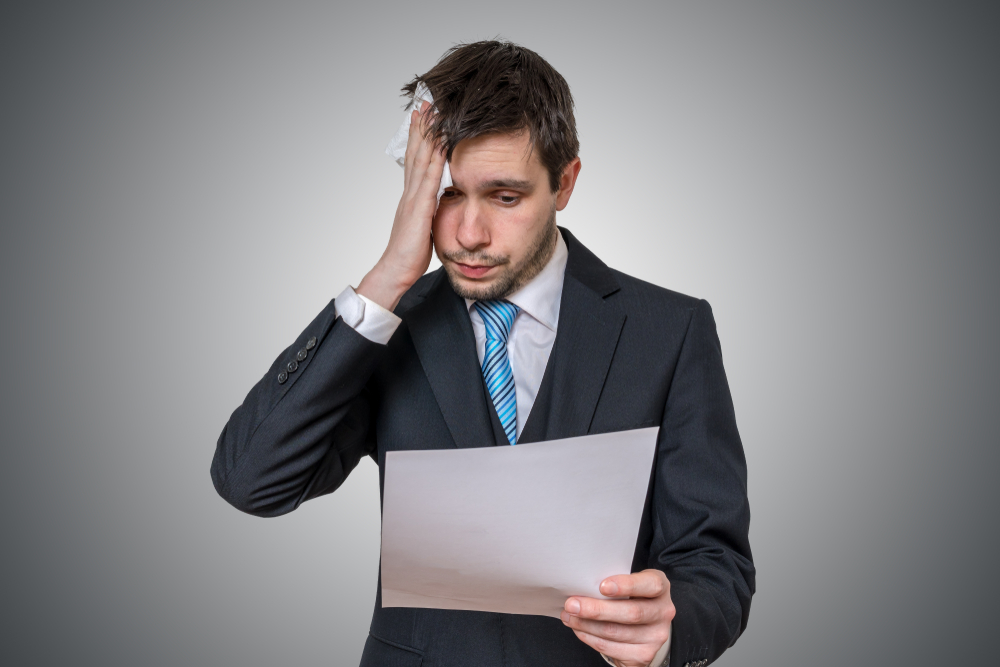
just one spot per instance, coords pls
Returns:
(408, 253)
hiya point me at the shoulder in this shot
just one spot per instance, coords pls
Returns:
(661, 319)
(655, 306)
(640, 301)
(641, 293)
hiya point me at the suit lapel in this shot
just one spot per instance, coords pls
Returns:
(586, 339)
(446, 346)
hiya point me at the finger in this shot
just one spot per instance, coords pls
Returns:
(422, 153)
(625, 654)
(650, 633)
(420, 198)
(425, 196)
(432, 176)
(631, 612)
(419, 171)
(411, 141)
(645, 584)
(415, 135)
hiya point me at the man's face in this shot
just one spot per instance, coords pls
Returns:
(496, 227)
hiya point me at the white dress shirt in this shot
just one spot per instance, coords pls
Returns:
(528, 345)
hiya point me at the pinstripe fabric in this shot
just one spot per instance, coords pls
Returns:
(498, 317)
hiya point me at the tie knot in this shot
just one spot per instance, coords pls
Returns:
(498, 316)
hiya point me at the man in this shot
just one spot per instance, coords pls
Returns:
(523, 335)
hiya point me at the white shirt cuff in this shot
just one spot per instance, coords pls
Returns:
(365, 316)
(662, 657)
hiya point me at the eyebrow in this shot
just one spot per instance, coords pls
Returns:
(503, 183)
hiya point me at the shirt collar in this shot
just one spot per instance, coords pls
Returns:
(540, 298)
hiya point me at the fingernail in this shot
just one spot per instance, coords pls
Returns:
(609, 588)
(573, 606)
(565, 617)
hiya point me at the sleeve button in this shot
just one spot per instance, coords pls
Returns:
(282, 377)
(301, 356)
(311, 343)
(292, 366)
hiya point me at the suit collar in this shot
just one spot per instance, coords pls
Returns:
(589, 329)
(588, 269)
(446, 346)
(590, 325)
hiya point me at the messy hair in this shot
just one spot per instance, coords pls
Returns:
(496, 86)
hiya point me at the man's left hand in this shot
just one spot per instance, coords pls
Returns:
(628, 631)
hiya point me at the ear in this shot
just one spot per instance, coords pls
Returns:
(567, 182)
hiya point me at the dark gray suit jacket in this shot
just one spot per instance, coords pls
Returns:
(627, 355)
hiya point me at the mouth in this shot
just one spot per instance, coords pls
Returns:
(474, 270)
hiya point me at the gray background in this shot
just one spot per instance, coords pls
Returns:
(185, 185)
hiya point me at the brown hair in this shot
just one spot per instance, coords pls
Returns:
(496, 86)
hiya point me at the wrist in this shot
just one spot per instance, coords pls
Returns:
(383, 287)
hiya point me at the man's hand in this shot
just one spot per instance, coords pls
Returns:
(408, 253)
(628, 631)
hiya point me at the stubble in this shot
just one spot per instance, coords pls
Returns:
(512, 278)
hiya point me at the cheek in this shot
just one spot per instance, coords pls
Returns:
(520, 224)
(445, 224)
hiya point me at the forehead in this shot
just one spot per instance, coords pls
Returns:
(492, 157)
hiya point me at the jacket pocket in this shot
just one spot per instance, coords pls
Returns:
(382, 653)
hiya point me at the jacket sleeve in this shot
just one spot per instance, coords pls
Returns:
(304, 426)
(702, 519)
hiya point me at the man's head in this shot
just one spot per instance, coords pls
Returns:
(505, 119)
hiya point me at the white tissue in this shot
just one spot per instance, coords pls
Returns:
(397, 145)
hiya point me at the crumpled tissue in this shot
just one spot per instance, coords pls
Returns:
(397, 145)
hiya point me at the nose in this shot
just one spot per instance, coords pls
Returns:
(473, 231)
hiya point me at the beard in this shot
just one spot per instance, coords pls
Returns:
(511, 278)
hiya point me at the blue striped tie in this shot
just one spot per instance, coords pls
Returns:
(498, 316)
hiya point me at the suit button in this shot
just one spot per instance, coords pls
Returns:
(282, 377)
(301, 356)
(292, 366)
(311, 343)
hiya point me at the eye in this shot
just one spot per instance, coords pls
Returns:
(508, 199)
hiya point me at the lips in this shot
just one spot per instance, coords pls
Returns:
(472, 271)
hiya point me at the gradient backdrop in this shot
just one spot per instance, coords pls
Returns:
(184, 185)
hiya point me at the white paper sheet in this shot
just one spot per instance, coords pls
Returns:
(512, 529)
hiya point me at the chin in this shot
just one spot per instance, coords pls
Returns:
(474, 290)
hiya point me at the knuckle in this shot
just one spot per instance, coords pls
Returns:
(633, 614)
(613, 631)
